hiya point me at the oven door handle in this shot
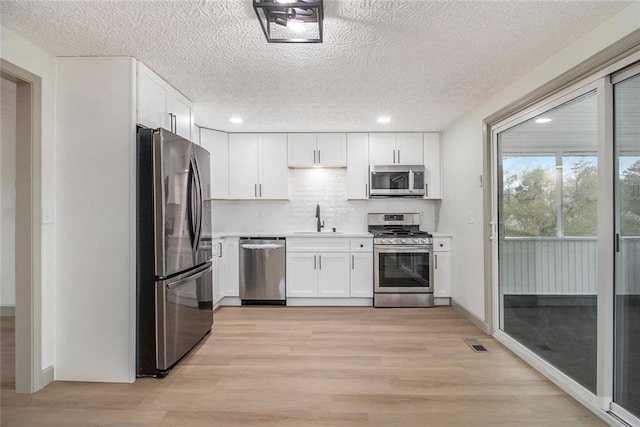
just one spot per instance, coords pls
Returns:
(422, 249)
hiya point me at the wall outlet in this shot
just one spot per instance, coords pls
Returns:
(470, 217)
(47, 215)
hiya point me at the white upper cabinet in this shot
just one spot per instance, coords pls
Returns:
(395, 148)
(433, 171)
(273, 172)
(258, 166)
(321, 149)
(217, 144)
(357, 166)
(243, 166)
(160, 105)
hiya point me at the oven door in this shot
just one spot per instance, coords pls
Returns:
(403, 269)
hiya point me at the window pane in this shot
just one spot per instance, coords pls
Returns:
(529, 196)
(547, 279)
(579, 195)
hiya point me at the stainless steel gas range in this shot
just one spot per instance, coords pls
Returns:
(403, 261)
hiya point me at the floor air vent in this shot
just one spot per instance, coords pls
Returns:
(475, 345)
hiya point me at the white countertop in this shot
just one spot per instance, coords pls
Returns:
(290, 235)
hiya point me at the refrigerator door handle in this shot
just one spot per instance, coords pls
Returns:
(199, 203)
(190, 204)
(193, 276)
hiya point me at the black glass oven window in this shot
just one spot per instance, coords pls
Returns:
(390, 180)
(404, 270)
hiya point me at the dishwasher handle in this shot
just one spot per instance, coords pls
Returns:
(262, 246)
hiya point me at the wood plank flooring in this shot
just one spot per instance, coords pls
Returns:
(289, 366)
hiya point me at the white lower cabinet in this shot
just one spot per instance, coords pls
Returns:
(318, 275)
(218, 277)
(335, 271)
(362, 275)
(226, 274)
(442, 267)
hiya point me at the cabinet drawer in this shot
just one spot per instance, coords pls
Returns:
(441, 244)
(362, 245)
(319, 244)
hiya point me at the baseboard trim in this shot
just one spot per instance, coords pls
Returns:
(47, 376)
(471, 317)
(7, 311)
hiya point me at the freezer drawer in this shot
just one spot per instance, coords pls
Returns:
(185, 315)
(262, 271)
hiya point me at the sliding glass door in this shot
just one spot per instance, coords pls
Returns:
(626, 95)
(547, 226)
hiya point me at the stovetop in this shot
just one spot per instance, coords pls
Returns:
(397, 229)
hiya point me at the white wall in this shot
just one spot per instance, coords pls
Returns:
(96, 221)
(308, 187)
(462, 157)
(8, 194)
(23, 54)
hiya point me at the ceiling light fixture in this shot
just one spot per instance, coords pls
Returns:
(236, 120)
(290, 21)
(384, 120)
(543, 120)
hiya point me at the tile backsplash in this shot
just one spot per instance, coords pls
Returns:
(308, 187)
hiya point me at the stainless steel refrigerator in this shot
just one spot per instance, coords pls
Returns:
(174, 278)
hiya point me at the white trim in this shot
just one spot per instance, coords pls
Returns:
(229, 301)
(625, 74)
(47, 376)
(625, 415)
(133, 114)
(605, 248)
(479, 323)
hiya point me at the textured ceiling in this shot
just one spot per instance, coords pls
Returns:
(423, 63)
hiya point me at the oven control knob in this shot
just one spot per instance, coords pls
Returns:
(403, 240)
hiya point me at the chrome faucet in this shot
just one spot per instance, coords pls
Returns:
(319, 225)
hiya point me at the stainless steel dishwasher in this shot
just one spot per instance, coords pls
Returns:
(262, 270)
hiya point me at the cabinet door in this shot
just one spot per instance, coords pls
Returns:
(382, 148)
(218, 274)
(362, 274)
(332, 149)
(274, 173)
(180, 107)
(409, 148)
(302, 275)
(442, 274)
(231, 267)
(302, 149)
(243, 166)
(333, 275)
(357, 166)
(217, 144)
(432, 166)
(152, 99)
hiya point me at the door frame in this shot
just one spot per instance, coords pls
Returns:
(28, 247)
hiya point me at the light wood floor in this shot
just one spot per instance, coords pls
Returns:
(269, 366)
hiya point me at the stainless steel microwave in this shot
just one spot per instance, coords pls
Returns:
(388, 181)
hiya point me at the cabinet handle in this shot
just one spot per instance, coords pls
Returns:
(394, 157)
(426, 190)
(314, 157)
(220, 250)
(398, 156)
(175, 123)
(320, 262)
(319, 161)
(260, 188)
(435, 257)
(255, 190)
(314, 262)
(171, 122)
(366, 190)
(353, 262)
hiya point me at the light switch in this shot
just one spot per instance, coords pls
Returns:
(470, 217)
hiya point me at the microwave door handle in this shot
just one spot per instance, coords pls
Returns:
(411, 180)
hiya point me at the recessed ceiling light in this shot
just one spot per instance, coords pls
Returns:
(236, 120)
(384, 120)
(543, 120)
